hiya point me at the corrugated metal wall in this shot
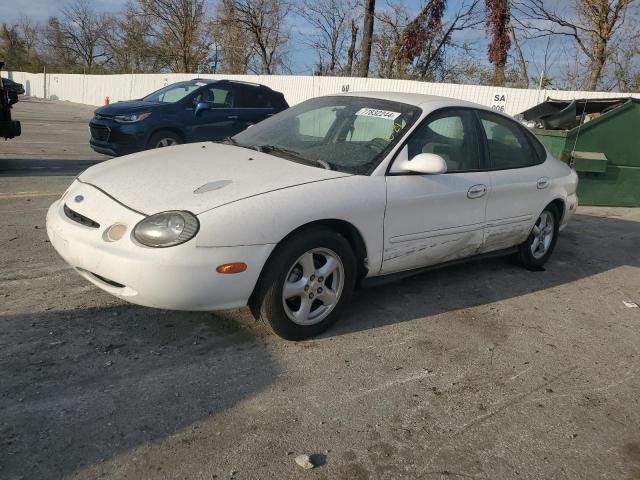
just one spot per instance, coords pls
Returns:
(92, 89)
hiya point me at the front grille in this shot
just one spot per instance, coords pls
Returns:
(81, 219)
(99, 133)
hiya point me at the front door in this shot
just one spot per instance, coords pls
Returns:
(432, 219)
(220, 120)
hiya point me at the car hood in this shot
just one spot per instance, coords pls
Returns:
(197, 177)
(123, 108)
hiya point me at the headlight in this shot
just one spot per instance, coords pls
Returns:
(166, 229)
(132, 117)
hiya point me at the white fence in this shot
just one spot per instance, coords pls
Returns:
(92, 89)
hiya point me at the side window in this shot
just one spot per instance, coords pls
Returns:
(276, 101)
(452, 134)
(251, 98)
(217, 97)
(316, 123)
(508, 144)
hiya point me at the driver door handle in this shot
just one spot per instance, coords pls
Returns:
(477, 191)
(233, 117)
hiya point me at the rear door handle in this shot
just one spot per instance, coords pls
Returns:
(233, 117)
(477, 191)
(543, 182)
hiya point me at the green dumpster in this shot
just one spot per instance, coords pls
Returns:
(600, 139)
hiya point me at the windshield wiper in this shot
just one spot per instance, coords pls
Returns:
(231, 141)
(293, 154)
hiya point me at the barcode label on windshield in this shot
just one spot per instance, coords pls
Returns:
(372, 112)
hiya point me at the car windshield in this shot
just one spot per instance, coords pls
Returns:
(173, 93)
(344, 133)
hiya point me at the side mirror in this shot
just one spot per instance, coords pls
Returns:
(426, 163)
(201, 107)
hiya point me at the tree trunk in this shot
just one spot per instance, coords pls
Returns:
(367, 38)
(596, 64)
(352, 48)
(523, 64)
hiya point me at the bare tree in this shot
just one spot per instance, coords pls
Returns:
(592, 24)
(330, 20)
(351, 53)
(430, 34)
(234, 42)
(178, 28)
(522, 63)
(389, 52)
(79, 32)
(130, 45)
(264, 21)
(367, 38)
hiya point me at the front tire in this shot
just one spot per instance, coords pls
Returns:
(306, 283)
(164, 138)
(536, 250)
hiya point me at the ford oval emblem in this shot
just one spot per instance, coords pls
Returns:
(78, 198)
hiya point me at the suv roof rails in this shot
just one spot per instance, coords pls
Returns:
(245, 83)
(226, 80)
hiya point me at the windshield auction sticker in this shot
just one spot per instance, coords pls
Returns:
(372, 112)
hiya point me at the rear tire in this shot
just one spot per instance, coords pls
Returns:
(306, 283)
(164, 138)
(534, 252)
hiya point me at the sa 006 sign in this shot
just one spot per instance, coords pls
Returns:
(499, 102)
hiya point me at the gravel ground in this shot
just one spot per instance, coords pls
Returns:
(478, 371)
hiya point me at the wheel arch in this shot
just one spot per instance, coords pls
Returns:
(343, 227)
(174, 130)
(560, 205)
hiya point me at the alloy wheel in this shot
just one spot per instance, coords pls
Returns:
(166, 142)
(313, 286)
(542, 232)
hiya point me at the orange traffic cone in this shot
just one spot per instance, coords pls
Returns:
(107, 101)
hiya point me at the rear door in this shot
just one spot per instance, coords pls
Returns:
(518, 181)
(220, 120)
(253, 105)
(432, 219)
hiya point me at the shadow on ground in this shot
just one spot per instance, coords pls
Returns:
(589, 246)
(44, 167)
(91, 383)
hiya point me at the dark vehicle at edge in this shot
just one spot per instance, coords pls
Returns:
(9, 91)
(191, 111)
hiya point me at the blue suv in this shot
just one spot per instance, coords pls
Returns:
(193, 111)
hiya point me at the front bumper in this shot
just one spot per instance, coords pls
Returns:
(111, 138)
(176, 278)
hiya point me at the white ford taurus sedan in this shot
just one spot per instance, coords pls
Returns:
(289, 215)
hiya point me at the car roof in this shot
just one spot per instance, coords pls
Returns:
(417, 99)
(224, 80)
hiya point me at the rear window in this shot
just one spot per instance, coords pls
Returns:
(509, 144)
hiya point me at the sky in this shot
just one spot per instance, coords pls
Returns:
(301, 56)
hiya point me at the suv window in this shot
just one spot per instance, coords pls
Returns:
(217, 97)
(276, 100)
(508, 144)
(453, 135)
(252, 98)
